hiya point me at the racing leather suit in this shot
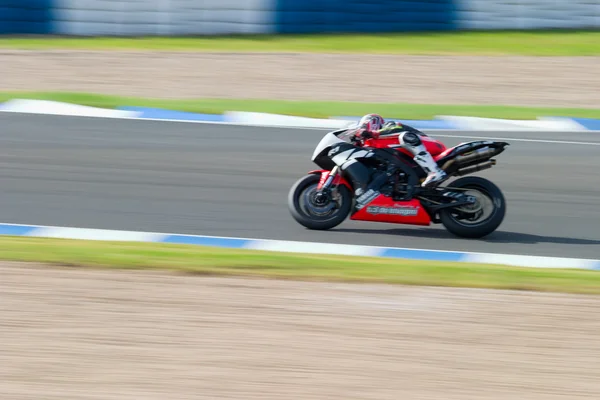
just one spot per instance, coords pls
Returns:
(373, 126)
(410, 139)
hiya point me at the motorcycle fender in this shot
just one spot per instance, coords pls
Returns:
(384, 209)
(338, 180)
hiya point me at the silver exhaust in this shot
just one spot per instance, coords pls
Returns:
(475, 168)
(476, 155)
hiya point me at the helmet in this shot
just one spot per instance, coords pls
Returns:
(371, 122)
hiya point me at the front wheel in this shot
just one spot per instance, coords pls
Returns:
(480, 219)
(315, 211)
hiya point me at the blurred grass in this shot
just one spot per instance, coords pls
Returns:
(317, 109)
(537, 43)
(215, 261)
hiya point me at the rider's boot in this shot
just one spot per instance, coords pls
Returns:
(435, 174)
(412, 142)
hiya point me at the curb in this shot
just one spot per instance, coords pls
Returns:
(284, 246)
(443, 122)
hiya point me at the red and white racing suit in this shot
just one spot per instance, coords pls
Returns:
(373, 125)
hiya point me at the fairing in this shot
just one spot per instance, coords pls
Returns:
(337, 180)
(433, 146)
(328, 140)
(466, 147)
(384, 209)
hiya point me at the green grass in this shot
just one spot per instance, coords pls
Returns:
(540, 43)
(213, 261)
(316, 109)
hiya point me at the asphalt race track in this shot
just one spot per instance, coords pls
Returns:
(233, 181)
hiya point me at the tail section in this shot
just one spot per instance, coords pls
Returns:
(470, 157)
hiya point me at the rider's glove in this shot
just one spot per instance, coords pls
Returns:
(363, 134)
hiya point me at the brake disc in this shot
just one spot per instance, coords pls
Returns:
(316, 209)
(473, 208)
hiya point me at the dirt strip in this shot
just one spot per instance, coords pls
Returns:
(526, 81)
(82, 334)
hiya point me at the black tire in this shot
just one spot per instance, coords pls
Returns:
(488, 225)
(313, 221)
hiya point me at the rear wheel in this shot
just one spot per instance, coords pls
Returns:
(481, 218)
(318, 211)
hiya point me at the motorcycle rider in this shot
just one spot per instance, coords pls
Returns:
(373, 126)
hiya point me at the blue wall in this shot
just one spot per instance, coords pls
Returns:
(289, 16)
(205, 17)
(330, 16)
(25, 17)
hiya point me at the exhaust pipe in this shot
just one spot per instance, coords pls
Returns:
(475, 168)
(476, 155)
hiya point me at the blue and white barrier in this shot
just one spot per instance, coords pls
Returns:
(214, 17)
(298, 247)
(563, 124)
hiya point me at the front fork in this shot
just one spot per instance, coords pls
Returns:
(324, 184)
(323, 195)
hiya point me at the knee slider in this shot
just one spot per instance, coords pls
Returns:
(410, 139)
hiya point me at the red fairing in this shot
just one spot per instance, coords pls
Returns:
(444, 153)
(384, 209)
(433, 146)
(336, 181)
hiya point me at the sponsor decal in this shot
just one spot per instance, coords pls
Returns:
(405, 211)
(366, 198)
(323, 180)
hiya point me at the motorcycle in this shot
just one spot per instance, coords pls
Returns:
(471, 207)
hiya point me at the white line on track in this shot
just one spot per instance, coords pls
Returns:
(433, 131)
(520, 140)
